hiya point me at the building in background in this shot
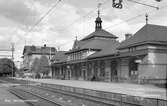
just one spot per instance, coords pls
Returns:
(32, 52)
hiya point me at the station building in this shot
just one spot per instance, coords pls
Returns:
(141, 58)
(98, 43)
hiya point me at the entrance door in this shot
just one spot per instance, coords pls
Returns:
(84, 74)
(114, 71)
(68, 74)
(84, 71)
(133, 69)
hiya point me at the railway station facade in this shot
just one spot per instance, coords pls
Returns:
(140, 58)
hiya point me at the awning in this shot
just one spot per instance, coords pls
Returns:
(134, 53)
(120, 55)
(76, 61)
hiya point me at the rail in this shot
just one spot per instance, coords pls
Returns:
(17, 92)
(102, 95)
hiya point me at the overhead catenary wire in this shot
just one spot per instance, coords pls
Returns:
(75, 21)
(131, 19)
(82, 17)
(92, 11)
(143, 4)
(135, 17)
(127, 6)
(46, 14)
(127, 20)
(43, 17)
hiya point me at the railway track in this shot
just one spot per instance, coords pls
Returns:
(22, 97)
(19, 88)
(76, 99)
(61, 98)
(35, 99)
(69, 96)
(87, 100)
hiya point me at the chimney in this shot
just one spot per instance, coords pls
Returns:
(127, 36)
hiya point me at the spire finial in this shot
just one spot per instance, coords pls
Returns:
(146, 18)
(98, 21)
(99, 5)
(98, 13)
(76, 38)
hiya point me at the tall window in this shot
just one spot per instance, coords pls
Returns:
(102, 68)
(89, 66)
(133, 66)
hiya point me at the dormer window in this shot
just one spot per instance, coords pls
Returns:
(132, 49)
(33, 48)
(53, 49)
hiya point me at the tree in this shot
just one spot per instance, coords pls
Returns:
(7, 67)
(44, 65)
(35, 65)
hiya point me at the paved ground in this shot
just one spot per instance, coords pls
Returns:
(8, 99)
(124, 88)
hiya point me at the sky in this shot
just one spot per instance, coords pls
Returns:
(70, 18)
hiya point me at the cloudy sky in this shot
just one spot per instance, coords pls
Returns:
(68, 19)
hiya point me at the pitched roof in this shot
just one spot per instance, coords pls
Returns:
(109, 48)
(38, 50)
(148, 33)
(60, 57)
(98, 40)
(103, 46)
(99, 43)
(100, 33)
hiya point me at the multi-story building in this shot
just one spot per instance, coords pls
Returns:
(98, 43)
(141, 58)
(32, 52)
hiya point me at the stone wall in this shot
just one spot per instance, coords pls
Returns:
(107, 71)
(155, 68)
(124, 69)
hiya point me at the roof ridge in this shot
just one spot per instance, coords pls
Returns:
(99, 33)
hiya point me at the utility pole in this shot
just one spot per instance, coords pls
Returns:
(12, 49)
(50, 57)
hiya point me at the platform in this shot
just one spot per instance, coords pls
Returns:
(148, 91)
